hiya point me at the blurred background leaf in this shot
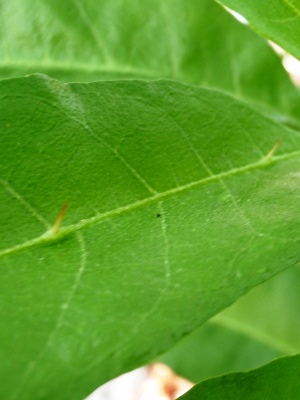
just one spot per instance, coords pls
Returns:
(191, 41)
(260, 326)
(277, 20)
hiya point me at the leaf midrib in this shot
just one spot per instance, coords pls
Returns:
(78, 66)
(49, 236)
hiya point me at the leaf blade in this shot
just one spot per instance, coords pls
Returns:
(80, 286)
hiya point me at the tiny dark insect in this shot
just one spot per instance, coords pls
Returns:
(158, 215)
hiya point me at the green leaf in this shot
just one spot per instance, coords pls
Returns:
(278, 380)
(195, 42)
(277, 20)
(174, 213)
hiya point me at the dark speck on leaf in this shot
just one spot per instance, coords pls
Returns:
(158, 215)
